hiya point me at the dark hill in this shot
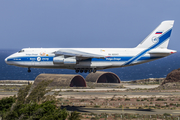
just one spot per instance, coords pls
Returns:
(173, 76)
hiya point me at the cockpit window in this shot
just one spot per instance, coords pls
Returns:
(21, 51)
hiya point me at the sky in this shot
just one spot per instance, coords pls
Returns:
(84, 23)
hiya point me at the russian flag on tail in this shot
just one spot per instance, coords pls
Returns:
(159, 32)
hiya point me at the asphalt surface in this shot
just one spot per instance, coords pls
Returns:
(119, 111)
(118, 93)
(104, 93)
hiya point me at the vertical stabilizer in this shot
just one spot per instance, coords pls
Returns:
(159, 38)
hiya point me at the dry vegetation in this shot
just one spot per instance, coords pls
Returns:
(129, 103)
(120, 102)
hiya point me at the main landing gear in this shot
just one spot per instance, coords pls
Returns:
(29, 70)
(81, 70)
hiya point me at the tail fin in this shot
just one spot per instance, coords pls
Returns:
(159, 38)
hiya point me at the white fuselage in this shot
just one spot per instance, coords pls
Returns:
(114, 57)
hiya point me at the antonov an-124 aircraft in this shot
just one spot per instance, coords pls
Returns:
(89, 60)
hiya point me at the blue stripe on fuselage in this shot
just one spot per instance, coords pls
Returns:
(30, 59)
(120, 59)
(110, 59)
(50, 59)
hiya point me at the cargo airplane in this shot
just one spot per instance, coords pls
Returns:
(89, 60)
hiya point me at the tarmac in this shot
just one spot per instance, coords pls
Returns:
(119, 111)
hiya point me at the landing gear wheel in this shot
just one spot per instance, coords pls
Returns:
(94, 70)
(77, 70)
(81, 71)
(29, 70)
(85, 71)
(90, 70)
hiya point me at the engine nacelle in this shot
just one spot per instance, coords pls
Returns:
(58, 60)
(62, 60)
(70, 61)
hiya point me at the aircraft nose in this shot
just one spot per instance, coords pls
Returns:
(10, 59)
(6, 59)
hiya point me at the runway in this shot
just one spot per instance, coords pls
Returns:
(119, 111)
(119, 93)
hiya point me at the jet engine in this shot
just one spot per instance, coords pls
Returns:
(62, 60)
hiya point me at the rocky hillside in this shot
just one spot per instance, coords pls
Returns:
(173, 76)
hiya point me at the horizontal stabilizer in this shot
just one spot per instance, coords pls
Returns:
(161, 51)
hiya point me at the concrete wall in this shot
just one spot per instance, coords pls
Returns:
(62, 80)
(102, 77)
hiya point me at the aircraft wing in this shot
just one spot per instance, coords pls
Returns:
(76, 53)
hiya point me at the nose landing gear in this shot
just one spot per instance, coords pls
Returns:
(29, 70)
